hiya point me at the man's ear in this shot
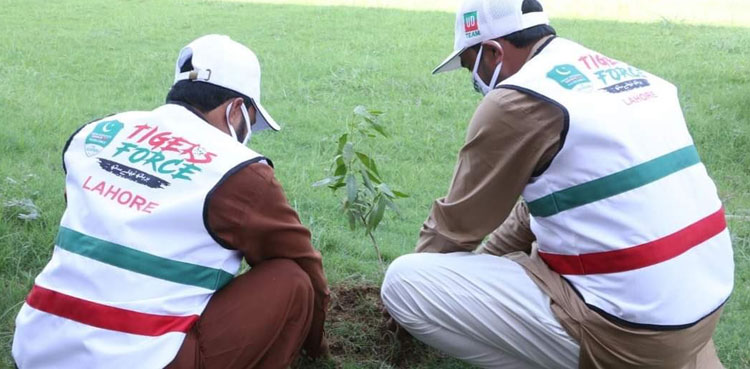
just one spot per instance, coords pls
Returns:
(493, 51)
(235, 114)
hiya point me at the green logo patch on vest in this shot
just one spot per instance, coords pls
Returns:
(567, 76)
(103, 134)
(471, 24)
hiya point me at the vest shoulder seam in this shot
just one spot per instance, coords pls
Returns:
(544, 45)
(566, 122)
(223, 243)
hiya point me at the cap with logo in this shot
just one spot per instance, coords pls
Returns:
(481, 20)
(221, 61)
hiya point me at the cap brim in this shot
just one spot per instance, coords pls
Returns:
(453, 62)
(263, 120)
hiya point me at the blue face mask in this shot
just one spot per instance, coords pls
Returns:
(479, 84)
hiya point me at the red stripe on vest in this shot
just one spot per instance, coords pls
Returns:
(106, 317)
(640, 256)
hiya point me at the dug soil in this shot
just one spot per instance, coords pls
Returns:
(357, 332)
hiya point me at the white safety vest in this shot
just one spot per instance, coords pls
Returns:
(626, 211)
(134, 263)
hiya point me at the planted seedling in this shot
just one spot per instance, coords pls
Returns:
(367, 195)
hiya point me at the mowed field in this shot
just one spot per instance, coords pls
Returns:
(64, 63)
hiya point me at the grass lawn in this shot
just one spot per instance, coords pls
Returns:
(64, 63)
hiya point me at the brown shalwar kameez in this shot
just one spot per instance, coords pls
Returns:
(265, 316)
(512, 137)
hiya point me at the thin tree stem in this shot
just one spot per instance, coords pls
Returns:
(377, 250)
(374, 243)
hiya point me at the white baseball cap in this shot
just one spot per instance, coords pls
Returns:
(221, 61)
(481, 20)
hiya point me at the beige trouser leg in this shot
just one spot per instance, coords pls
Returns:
(483, 309)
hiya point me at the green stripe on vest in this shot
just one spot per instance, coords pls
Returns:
(614, 184)
(141, 262)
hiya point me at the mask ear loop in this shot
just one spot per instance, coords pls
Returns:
(479, 57)
(478, 83)
(231, 129)
(246, 117)
(496, 74)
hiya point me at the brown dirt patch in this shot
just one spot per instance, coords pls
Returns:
(357, 333)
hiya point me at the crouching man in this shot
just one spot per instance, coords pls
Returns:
(634, 259)
(162, 206)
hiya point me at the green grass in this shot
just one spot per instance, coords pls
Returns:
(64, 63)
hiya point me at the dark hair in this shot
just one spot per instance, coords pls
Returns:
(531, 35)
(201, 95)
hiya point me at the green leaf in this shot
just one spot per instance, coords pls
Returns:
(366, 180)
(338, 160)
(379, 128)
(336, 186)
(342, 141)
(376, 215)
(374, 177)
(340, 170)
(393, 206)
(368, 162)
(348, 152)
(326, 181)
(351, 188)
(386, 190)
(400, 194)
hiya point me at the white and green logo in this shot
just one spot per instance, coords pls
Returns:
(103, 134)
(567, 76)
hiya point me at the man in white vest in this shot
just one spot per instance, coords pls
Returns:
(632, 261)
(162, 207)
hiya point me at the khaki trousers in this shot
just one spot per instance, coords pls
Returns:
(605, 344)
